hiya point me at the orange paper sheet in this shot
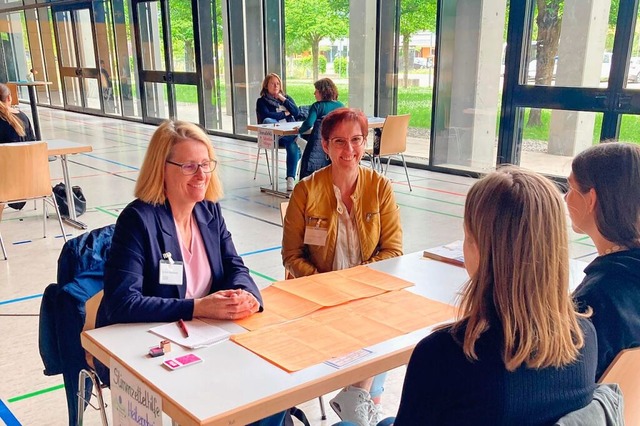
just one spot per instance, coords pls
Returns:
(339, 330)
(279, 306)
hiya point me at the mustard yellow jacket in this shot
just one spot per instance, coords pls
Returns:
(313, 203)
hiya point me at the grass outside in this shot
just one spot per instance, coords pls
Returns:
(417, 102)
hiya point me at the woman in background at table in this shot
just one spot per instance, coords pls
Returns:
(14, 124)
(273, 106)
(313, 157)
(14, 127)
(342, 216)
(519, 354)
(604, 202)
(172, 256)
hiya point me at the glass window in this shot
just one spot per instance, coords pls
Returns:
(565, 51)
(550, 147)
(469, 86)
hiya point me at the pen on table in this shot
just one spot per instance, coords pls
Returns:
(183, 327)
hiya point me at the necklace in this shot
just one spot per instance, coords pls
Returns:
(613, 249)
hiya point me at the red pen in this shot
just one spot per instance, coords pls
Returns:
(183, 327)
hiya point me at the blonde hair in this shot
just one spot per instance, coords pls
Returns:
(150, 183)
(517, 219)
(5, 111)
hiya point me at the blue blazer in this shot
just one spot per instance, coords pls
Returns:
(143, 233)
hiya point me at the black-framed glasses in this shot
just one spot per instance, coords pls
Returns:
(190, 168)
(355, 141)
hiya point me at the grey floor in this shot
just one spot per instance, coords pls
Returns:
(431, 215)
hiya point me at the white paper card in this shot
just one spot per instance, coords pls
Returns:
(201, 334)
(265, 139)
(170, 273)
(315, 236)
(132, 402)
(341, 361)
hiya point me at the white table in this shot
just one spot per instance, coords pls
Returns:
(276, 130)
(63, 148)
(233, 386)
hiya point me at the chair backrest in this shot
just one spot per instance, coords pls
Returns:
(14, 93)
(283, 212)
(394, 134)
(91, 312)
(623, 370)
(24, 171)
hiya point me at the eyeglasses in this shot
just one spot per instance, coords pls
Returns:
(355, 141)
(191, 168)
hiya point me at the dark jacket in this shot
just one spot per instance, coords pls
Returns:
(313, 158)
(266, 109)
(143, 234)
(9, 134)
(62, 313)
(611, 288)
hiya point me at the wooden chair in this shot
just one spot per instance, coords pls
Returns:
(24, 175)
(91, 309)
(283, 212)
(623, 370)
(287, 276)
(14, 93)
(392, 142)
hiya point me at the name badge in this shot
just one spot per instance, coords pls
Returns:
(170, 272)
(315, 236)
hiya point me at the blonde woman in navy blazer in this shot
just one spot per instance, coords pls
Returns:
(177, 193)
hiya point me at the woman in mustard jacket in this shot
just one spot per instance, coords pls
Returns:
(341, 216)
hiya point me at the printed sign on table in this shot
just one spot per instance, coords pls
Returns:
(132, 401)
(265, 139)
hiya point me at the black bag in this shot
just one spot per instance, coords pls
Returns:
(60, 192)
(303, 112)
(298, 414)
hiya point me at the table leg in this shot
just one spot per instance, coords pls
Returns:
(274, 166)
(34, 112)
(274, 161)
(72, 219)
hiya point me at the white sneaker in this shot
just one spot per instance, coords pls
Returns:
(290, 183)
(354, 405)
(376, 414)
(302, 143)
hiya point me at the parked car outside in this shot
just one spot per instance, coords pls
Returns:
(634, 70)
(421, 63)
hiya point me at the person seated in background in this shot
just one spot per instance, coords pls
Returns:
(105, 80)
(519, 354)
(603, 200)
(31, 77)
(14, 127)
(342, 216)
(313, 157)
(273, 106)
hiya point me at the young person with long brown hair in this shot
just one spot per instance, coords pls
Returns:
(604, 203)
(519, 354)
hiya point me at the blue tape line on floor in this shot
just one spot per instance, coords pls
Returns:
(20, 299)
(7, 416)
(15, 243)
(260, 251)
